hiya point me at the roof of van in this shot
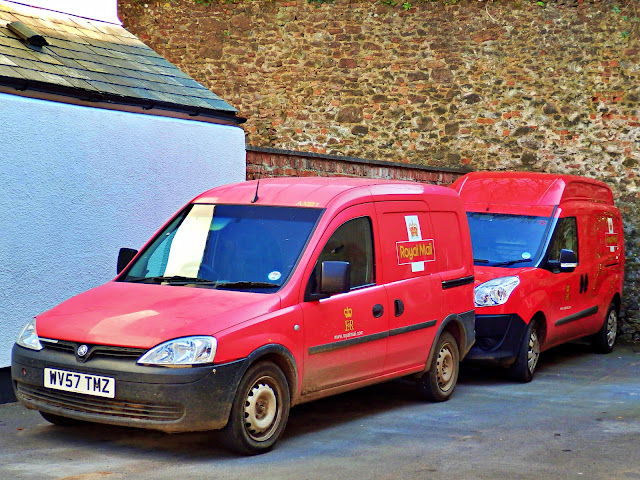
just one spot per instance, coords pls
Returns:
(530, 189)
(315, 192)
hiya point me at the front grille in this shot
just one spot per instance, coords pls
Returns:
(95, 351)
(102, 406)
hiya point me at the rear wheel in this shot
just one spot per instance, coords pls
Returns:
(259, 412)
(438, 383)
(605, 339)
(527, 360)
(60, 421)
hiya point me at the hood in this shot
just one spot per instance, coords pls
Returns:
(484, 274)
(144, 315)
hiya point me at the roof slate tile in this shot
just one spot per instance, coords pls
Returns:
(91, 56)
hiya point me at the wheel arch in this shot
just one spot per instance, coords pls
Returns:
(282, 358)
(454, 325)
(617, 301)
(541, 321)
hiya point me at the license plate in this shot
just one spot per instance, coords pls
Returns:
(80, 383)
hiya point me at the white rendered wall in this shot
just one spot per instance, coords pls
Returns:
(78, 183)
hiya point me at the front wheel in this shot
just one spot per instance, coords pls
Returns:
(528, 355)
(438, 383)
(605, 339)
(259, 412)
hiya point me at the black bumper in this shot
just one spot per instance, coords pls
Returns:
(166, 399)
(498, 339)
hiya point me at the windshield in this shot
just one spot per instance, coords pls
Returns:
(506, 240)
(239, 247)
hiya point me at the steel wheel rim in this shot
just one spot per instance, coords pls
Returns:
(533, 352)
(612, 328)
(262, 409)
(445, 368)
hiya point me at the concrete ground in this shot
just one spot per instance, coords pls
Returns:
(578, 419)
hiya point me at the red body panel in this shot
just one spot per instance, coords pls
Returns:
(144, 315)
(555, 297)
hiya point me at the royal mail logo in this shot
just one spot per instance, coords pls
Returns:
(413, 230)
(420, 251)
(348, 313)
(611, 237)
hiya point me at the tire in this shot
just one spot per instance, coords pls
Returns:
(438, 383)
(605, 339)
(61, 421)
(528, 355)
(259, 412)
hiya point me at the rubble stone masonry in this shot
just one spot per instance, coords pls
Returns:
(502, 85)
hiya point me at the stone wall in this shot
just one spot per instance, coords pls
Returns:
(485, 85)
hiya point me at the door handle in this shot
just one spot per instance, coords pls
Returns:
(378, 310)
(398, 307)
(581, 283)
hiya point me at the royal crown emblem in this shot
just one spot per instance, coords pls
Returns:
(348, 313)
(413, 229)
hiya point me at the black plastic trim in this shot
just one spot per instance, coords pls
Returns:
(412, 328)
(327, 347)
(457, 282)
(577, 316)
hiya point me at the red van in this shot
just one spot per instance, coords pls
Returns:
(549, 264)
(256, 297)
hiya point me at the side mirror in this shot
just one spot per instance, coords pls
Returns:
(567, 263)
(568, 260)
(332, 277)
(124, 258)
(335, 277)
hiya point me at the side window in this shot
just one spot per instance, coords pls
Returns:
(565, 236)
(352, 242)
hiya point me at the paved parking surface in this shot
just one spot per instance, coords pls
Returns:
(578, 419)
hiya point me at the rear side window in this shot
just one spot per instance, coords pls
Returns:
(565, 236)
(352, 242)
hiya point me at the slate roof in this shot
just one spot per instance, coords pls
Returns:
(97, 61)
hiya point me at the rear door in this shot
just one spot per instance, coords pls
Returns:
(346, 335)
(410, 275)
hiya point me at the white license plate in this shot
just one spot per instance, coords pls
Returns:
(80, 383)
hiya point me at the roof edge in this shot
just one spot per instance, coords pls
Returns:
(61, 94)
(97, 10)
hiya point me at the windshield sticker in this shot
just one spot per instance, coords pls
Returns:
(416, 251)
(275, 275)
(526, 255)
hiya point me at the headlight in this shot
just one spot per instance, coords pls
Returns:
(28, 337)
(181, 352)
(495, 292)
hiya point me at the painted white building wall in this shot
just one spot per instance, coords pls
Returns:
(77, 183)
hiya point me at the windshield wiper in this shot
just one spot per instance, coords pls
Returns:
(480, 260)
(511, 262)
(245, 284)
(174, 280)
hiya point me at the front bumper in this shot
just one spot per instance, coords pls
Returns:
(498, 339)
(166, 399)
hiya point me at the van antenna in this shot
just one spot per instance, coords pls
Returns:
(255, 199)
